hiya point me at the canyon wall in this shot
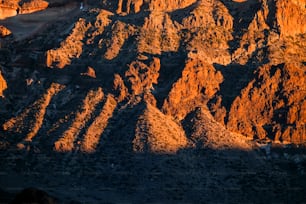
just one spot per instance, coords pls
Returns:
(164, 67)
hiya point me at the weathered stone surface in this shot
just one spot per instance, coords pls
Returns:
(154, 101)
(33, 6)
(3, 85)
(272, 105)
(158, 133)
(199, 83)
(245, 60)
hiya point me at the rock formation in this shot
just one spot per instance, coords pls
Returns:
(33, 6)
(8, 9)
(277, 98)
(158, 133)
(14, 7)
(243, 60)
(153, 101)
(3, 85)
(4, 31)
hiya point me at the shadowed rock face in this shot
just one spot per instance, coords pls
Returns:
(133, 77)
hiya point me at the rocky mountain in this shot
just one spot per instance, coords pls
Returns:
(154, 77)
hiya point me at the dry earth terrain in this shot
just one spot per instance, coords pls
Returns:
(151, 101)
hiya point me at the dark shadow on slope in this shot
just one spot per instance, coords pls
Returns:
(188, 125)
(261, 55)
(33, 195)
(172, 65)
(236, 77)
(60, 116)
(243, 14)
(190, 176)
(106, 69)
(14, 95)
(121, 130)
(137, 19)
(119, 65)
(179, 14)
(272, 14)
(60, 3)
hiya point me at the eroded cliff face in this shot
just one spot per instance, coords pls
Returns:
(238, 67)
(198, 84)
(291, 17)
(277, 97)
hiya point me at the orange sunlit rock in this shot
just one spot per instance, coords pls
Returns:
(158, 133)
(153, 101)
(71, 48)
(67, 141)
(4, 31)
(3, 85)
(33, 6)
(233, 66)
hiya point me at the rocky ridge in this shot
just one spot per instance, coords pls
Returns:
(178, 56)
(150, 100)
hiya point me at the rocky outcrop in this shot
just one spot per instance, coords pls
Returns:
(171, 5)
(130, 6)
(14, 7)
(254, 37)
(158, 133)
(291, 17)
(210, 26)
(159, 34)
(206, 132)
(276, 26)
(31, 119)
(8, 9)
(142, 77)
(120, 33)
(242, 59)
(3, 85)
(67, 141)
(272, 105)
(119, 87)
(199, 83)
(207, 24)
(71, 48)
(155, 101)
(95, 130)
(4, 31)
(33, 6)
(135, 6)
